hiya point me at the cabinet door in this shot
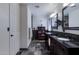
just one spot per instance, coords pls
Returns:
(4, 24)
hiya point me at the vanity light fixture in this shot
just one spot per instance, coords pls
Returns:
(72, 4)
(68, 4)
(53, 14)
(65, 4)
(37, 6)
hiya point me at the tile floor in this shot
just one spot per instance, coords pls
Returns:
(36, 48)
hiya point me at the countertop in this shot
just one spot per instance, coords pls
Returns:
(67, 44)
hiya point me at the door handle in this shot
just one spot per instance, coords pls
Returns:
(8, 29)
(11, 35)
(29, 33)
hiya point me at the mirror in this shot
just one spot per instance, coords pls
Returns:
(52, 22)
(71, 17)
(59, 19)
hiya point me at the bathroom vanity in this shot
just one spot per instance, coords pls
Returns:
(61, 46)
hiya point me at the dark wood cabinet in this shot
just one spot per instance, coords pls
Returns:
(34, 33)
(59, 47)
(56, 48)
(41, 33)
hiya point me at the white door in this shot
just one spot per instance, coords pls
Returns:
(14, 26)
(4, 24)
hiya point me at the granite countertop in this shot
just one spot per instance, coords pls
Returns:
(48, 33)
(66, 43)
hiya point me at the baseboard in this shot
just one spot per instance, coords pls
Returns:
(19, 52)
(23, 49)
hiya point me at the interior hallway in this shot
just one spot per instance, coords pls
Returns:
(56, 23)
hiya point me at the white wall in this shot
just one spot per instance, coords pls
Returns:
(4, 34)
(25, 25)
(18, 26)
(29, 28)
(38, 20)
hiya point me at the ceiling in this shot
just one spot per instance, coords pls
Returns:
(44, 9)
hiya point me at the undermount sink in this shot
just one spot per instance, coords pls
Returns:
(72, 44)
(63, 39)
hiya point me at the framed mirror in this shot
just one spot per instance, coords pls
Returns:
(52, 22)
(55, 22)
(70, 17)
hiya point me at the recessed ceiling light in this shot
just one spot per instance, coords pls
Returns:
(37, 6)
(65, 4)
(68, 4)
(72, 4)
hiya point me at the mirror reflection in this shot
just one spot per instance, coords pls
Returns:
(52, 22)
(71, 16)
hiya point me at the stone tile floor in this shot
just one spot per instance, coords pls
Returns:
(36, 48)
